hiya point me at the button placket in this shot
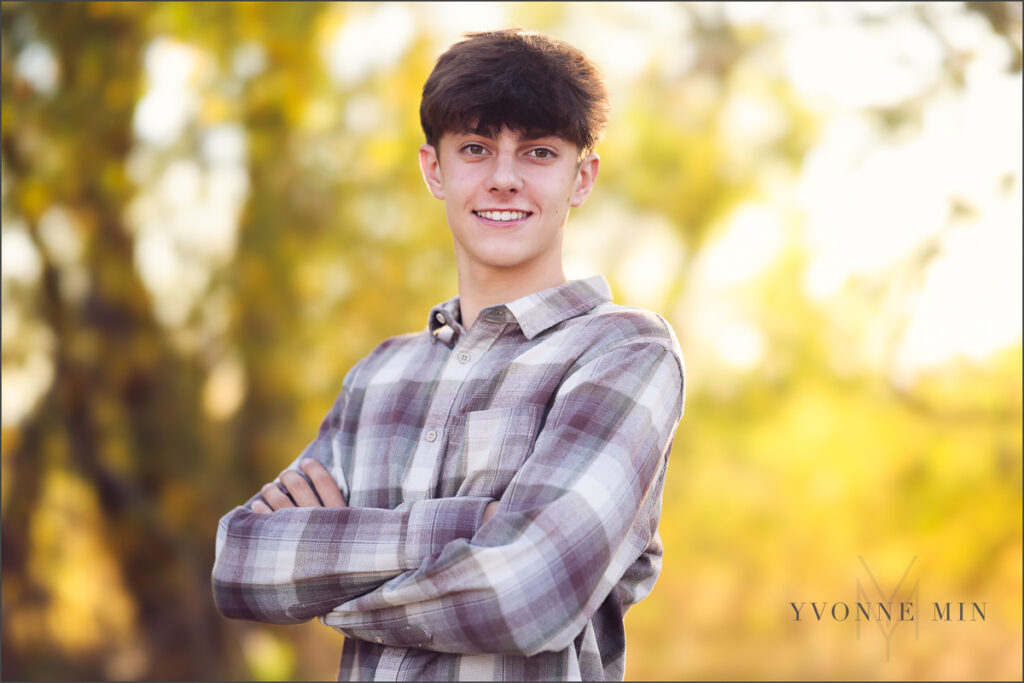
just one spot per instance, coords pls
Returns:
(428, 460)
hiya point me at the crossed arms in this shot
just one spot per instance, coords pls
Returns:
(319, 491)
(468, 574)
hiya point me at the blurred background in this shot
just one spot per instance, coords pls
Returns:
(212, 210)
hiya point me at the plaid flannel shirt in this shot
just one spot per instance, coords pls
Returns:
(562, 406)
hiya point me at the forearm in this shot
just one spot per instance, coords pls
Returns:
(571, 523)
(500, 599)
(298, 563)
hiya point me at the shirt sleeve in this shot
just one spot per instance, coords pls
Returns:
(574, 519)
(297, 563)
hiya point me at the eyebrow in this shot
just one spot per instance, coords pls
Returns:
(521, 141)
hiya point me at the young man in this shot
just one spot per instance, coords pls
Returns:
(482, 500)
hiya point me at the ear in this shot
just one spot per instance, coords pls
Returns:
(430, 166)
(585, 178)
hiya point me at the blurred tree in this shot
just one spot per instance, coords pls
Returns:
(118, 388)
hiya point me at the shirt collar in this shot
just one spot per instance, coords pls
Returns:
(534, 312)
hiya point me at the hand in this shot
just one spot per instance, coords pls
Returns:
(324, 486)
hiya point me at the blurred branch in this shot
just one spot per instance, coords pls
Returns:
(1005, 18)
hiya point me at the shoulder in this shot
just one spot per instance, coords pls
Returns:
(628, 323)
(609, 327)
(388, 352)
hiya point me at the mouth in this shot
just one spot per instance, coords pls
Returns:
(503, 216)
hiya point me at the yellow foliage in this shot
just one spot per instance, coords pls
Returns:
(88, 607)
(269, 658)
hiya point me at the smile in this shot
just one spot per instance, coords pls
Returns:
(503, 216)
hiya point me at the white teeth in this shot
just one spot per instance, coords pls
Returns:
(502, 215)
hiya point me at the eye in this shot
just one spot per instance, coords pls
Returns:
(542, 153)
(473, 149)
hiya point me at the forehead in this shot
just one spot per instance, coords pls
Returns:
(512, 135)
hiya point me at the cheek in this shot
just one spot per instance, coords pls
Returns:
(461, 188)
(566, 198)
(453, 213)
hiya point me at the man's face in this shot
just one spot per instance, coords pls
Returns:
(507, 197)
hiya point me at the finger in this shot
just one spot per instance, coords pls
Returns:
(261, 508)
(275, 498)
(300, 490)
(325, 485)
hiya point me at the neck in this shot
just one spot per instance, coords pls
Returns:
(483, 287)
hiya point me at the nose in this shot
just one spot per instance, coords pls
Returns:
(505, 176)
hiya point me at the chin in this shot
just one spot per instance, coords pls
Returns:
(506, 263)
(501, 256)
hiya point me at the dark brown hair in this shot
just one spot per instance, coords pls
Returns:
(516, 79)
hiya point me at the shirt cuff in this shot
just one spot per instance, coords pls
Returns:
(435, 523)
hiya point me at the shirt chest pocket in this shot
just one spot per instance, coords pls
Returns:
(494, 444)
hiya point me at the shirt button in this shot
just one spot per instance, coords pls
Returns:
(378, 639)
(431, 436)
(463, 357)
(440, 317)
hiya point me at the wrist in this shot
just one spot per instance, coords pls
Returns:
(490, 511)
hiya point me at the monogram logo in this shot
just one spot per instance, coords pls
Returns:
(887, 604)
